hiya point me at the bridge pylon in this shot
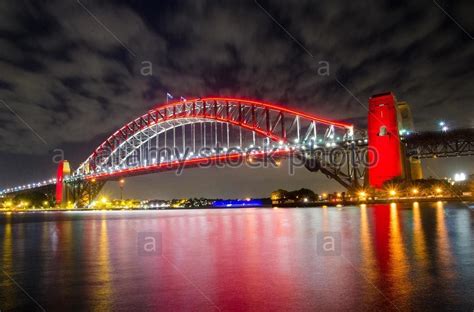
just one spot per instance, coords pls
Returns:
(387, 120)
(384, 139)
(64, 170)
(79, 192)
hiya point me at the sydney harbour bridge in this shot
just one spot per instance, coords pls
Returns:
(211, 130)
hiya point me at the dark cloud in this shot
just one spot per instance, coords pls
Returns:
(74, 77)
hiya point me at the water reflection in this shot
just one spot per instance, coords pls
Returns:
(7, 249)
(102, 293)
(7, 266)
(393, 257)
(443, 249)
(399, 280)
(368, 256)
(443, 243)
(419, 243)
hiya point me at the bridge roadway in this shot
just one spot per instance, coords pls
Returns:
(433, 144)
(429, 144)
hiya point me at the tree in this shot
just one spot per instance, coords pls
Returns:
(280, 194)
(31, 199)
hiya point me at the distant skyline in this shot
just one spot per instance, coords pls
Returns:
(74, 72)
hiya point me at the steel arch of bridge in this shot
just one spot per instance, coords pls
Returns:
(263, 121)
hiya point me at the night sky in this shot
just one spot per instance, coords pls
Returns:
(71, 73)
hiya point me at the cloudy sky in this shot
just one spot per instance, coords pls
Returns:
(72, 72)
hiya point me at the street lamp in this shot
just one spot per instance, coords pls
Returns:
(121, 184)
(362, 195)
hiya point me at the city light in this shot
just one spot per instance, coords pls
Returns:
(459, 177)
(443, 126)
(438, 190)
(392, 192)
(414, 191)
(362, 195)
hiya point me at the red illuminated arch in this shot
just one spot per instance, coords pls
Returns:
(266, 119)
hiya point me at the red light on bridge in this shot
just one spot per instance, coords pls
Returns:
(63, 171)
(384, 140)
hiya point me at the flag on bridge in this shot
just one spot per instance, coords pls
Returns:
(168, 97)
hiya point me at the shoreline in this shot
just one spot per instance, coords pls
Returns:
(376, 201)
(317, 204)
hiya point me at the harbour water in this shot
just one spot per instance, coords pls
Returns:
(382, 257)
